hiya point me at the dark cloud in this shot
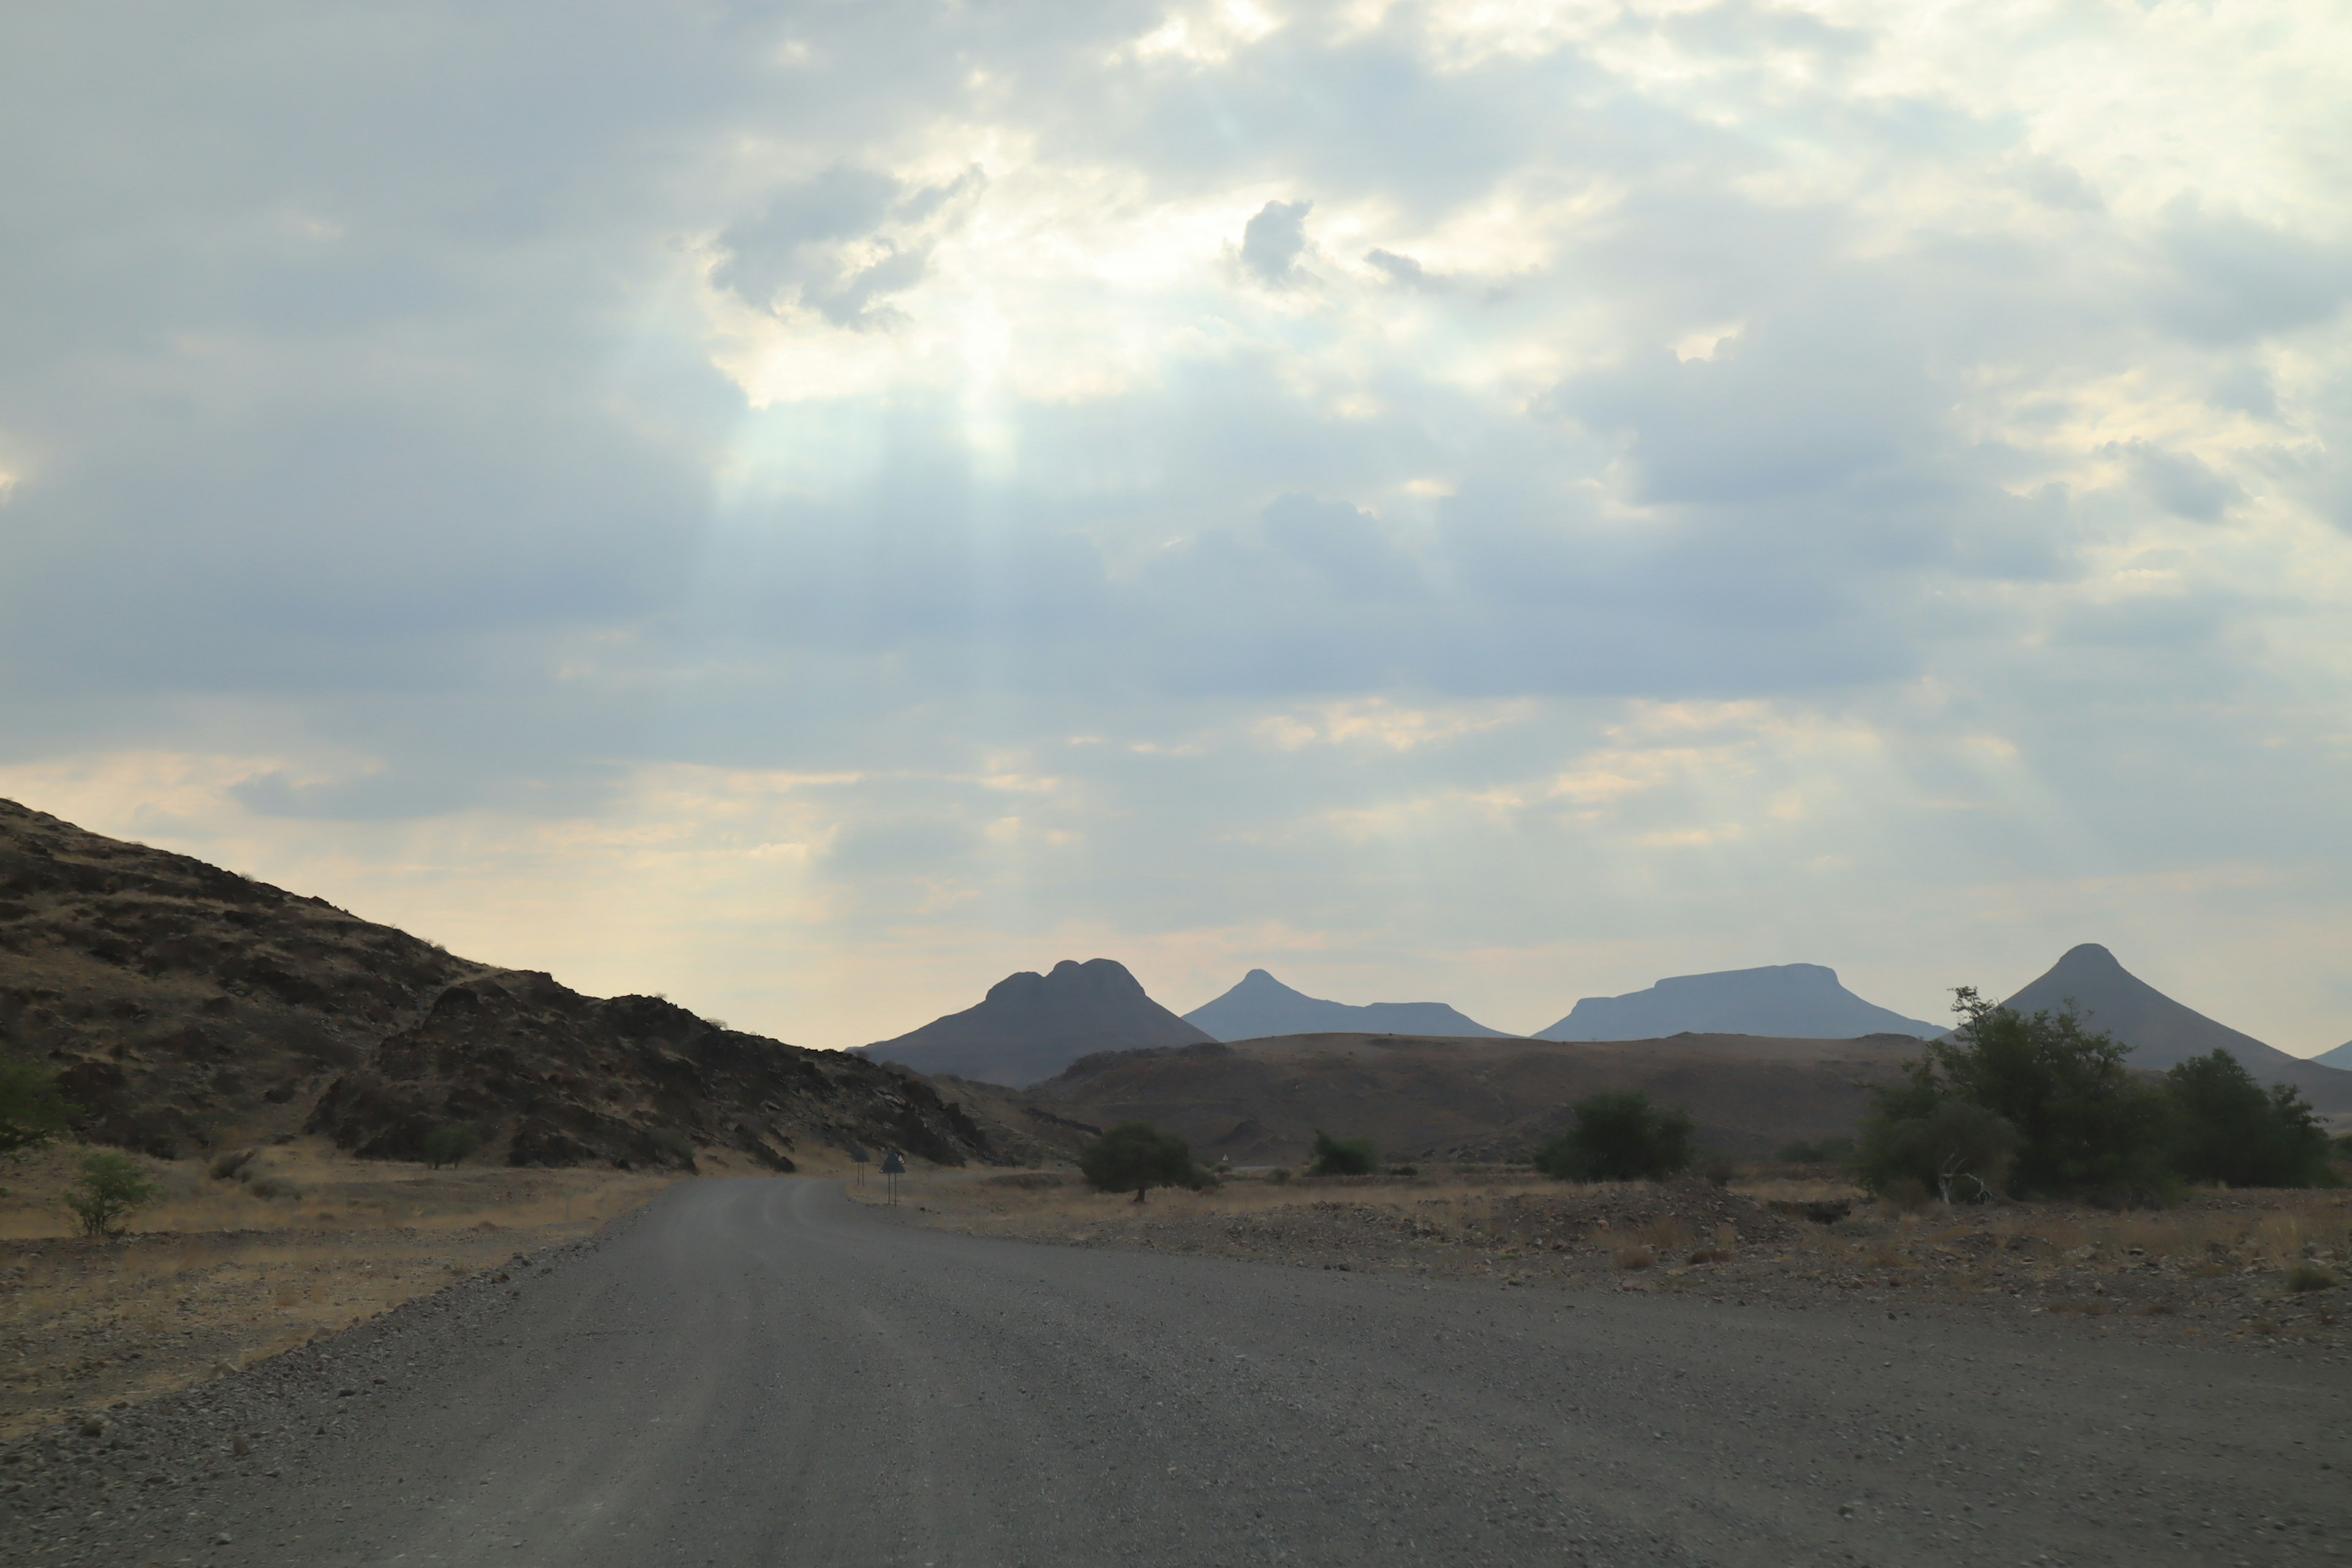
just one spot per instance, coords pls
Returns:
(1271, 243)
(2234, 279)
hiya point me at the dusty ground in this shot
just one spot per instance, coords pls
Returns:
(2217, 1267)
(224, 1273)
(756, 1371)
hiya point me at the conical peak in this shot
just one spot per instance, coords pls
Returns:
(2090, 952)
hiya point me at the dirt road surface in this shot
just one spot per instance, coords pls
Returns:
(762, 1372)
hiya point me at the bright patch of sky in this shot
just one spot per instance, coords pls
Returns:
(808, 509)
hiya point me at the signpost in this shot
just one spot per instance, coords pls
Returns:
(893, 1167)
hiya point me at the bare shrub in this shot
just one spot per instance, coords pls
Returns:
(1635, 1257)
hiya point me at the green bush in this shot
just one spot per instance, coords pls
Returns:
(447, 1144)
(2081, 1123)
(1342, 1156)
(1278, 1175)
(2228, 1128)
(1957, 1150)
(33, 1109)
(112, 1187)
(1619, 1137)
(1135, 1156)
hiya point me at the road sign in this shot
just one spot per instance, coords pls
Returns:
(893, 1167)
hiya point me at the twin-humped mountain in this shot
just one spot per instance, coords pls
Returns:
(185, 1008)
(1787, 1000)
(1030, 1027)
(2162, 1032)
(1262, 1006)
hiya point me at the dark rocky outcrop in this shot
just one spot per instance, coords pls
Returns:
(185, 1008)
(182, 1005)
(554, 1078)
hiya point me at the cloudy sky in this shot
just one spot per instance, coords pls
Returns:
(809, 508)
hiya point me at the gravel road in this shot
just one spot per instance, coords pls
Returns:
(762, 1372)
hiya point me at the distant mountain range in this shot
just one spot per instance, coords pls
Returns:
(1030, 1027)
(1262, 1007)
(2161, 1031)
(1791, 1001)
(2341, 1056)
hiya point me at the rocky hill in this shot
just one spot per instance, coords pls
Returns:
(186, 1008)
(2161, 1031)
(1262, 1006)
(1260, 1101)
(1794, 1001)
(1032, 1026)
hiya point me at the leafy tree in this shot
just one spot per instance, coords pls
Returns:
(1342, 1156)
(112, 1187)
(1619, 1137)
(2228, 1128)
(1957, 1149)
(33, 1109)
(446, 1145)
(2080, 1119)
(1137, 1157)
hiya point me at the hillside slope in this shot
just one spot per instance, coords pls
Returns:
(1260, 1101)
(1261, 1007)
(1029, 1026)
(1793, 1001)
(186, 1008)
(2161, 1031)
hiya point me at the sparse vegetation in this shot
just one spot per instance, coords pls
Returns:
(450, 1144)
(1135, 1156)
(1342, 1156)
(112, 1187)
(1827, 1151)
(1619, 1137)
(2228, 1128)
(32, 1111)
(2306, 1274)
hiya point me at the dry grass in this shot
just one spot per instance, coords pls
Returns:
(2219, 1264)
(216, 1274)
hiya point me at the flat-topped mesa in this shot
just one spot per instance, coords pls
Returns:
(1030, 1027)
(1790, 1000)
(1262, 1006)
